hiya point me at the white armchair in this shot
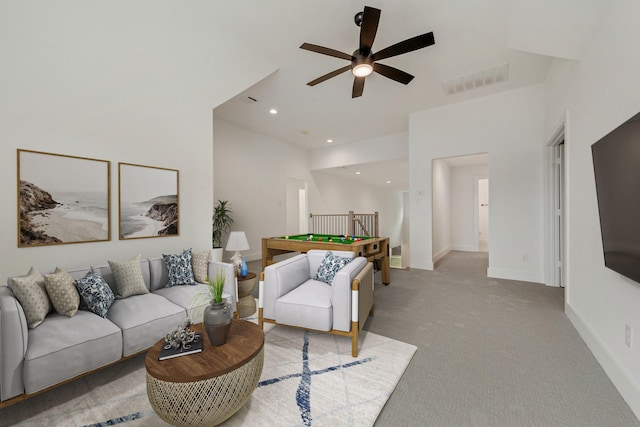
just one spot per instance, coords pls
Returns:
(290, 296)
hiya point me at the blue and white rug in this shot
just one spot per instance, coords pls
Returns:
(309, 379)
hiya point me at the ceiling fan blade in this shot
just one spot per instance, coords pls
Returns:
(368, 29)
(358, 87)
(392, 73)
(409, 45)
(329, 75)
(325, 51)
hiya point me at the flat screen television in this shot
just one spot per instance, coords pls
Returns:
(616, 164)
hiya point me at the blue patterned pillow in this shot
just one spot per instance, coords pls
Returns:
(180, 270)
(95, 293)
(330, 266)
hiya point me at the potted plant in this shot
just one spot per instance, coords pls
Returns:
(222, 222)
(217, 312)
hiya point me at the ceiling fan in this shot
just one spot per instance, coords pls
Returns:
(364, 60)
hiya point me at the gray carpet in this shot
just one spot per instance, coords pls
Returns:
(309, 378)
(490, 352)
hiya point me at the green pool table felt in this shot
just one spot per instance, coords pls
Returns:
(325, 238)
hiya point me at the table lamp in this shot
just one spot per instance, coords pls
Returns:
(238, 242)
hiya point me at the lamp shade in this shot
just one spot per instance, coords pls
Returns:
(237, 241)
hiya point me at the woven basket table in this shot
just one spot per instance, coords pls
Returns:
(246, 302)
(206, 388)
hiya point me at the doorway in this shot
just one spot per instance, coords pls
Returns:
(297, 207)
(556, 249)
(460, 204)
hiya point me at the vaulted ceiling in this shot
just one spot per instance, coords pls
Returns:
(481, 47)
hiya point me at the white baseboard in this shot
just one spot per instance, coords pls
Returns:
(437, 257)
(464, 248)
(514, 274)
(619, 376)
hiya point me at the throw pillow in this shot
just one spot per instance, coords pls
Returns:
(95, 293)
(200, 264)
(128, 277)
(30, 292)
(179, 267)
(329, 267)
(62, 292)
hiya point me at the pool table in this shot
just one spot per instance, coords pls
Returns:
(375, 249)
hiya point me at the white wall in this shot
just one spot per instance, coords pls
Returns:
(509, 127)
(365, 198)
(441, 203)
(463, 207)
(252, 170)
(388, 147)
(118, 81)
(406, 230)
(336, 195)
(599, 93)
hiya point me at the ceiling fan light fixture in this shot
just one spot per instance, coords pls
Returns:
(362, 70)
(363, 60)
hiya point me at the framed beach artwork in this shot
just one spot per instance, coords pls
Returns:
(148, 198)
(62, 199)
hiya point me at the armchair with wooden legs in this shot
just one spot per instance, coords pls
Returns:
(289, 294)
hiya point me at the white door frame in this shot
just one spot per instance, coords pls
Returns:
(476, 213)
(556, 211)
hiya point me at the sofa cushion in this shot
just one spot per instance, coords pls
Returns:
(62, 292)
(95, 293)
(179, 267)
(282, 277)
(31, 293)
(192, 298)
(158, 274)
(105, 272)
(128, 277)
(200, 264)
(307, 306)
(144, 319)
(329, 267)
(62, 348)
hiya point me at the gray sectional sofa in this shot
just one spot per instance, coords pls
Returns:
(62, 348)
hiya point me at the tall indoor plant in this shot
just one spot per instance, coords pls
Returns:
(222, 222)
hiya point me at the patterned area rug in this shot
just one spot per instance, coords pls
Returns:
(309, 379)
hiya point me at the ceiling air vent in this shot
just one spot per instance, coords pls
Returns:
(497, 74)
(248, 100)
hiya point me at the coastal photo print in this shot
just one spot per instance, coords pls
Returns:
(148, 198)
(62, 199)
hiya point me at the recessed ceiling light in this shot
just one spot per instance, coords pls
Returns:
(388, 182)
(357, 173)
(329, 141)
(273, 111)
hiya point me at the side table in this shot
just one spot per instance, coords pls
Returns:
(206, 388)
(246, 302)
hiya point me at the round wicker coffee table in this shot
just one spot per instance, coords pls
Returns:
(206, 388)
